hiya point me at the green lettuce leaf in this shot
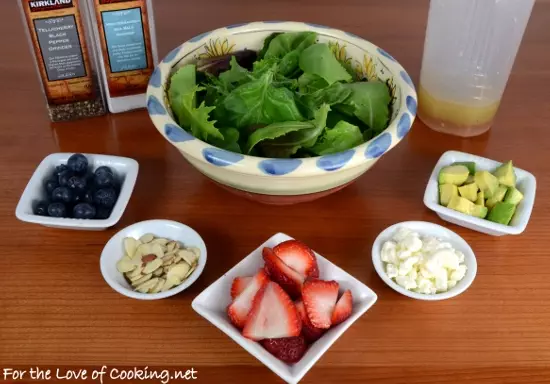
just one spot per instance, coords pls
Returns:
(315, 91)
(267, 41)
(275, 130)
(182, 97)
(236, 74)
(284, 43)
(230, 140)
(369, 101)
(340, 138)
(319, 60)
(259, 102)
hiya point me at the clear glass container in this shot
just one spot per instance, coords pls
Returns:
(469, 51)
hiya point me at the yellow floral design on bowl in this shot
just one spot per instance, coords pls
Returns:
(216, 47)
(366, 69)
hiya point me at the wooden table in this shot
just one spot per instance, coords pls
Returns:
(56, 310)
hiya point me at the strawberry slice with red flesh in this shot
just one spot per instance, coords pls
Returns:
(288, 349)
(319, 298)
(309, 331)
(298, 256)
(239, 309)
(273, 315)
(343, 308)
(239, 285)
(290, 280)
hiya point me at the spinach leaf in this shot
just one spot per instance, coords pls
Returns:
(340, 138)
(369, 101)
(267, 41)
(259, 102)
(236, 74)
(287, 42)
(230, 140)
(182, 97)
(334, 117)
(315, 91)
(272, 131)
(319, 60)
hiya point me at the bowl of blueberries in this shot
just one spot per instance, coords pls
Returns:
(78, 191)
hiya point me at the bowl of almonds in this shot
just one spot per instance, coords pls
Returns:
(153, 259)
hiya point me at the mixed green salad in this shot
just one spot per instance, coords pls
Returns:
(293, 98)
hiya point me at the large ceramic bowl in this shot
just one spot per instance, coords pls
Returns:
(281, 181)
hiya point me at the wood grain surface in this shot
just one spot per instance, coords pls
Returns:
(56, 310)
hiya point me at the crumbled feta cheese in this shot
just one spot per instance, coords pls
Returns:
(423, 264)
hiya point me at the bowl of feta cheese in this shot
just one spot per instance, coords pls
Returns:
(424, 261)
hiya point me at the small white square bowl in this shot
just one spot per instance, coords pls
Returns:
(213, 301)
(526, 184)
(126, 169)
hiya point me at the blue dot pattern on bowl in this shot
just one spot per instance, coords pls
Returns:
(317, 25)
(198, 37)
(385, 54)
(221, 157)
(177, 134)
(411, 104)
(171, 55)
(403, 125)
(155, 107)
(335, 161)
(278, 167)
(405, 76)
(155, 78)
(378, 146)
(236, 25)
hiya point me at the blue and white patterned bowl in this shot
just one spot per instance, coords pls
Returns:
(283, 180)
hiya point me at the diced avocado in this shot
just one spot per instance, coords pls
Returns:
(468, 191)
(460, 204)
(513, 196)
(486, 182)
(453, 174)
(480, 199)
(497, 197)
(446, 192)
(468, 164)
(506, 175)
(502, 213)
(479, 211)
(471, 179)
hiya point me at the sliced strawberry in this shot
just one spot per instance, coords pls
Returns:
(298, 256)
(309, 331)
(239, 284)
(240, 307)
(290, 280)
(343, 308)
(319, 299)
(288, 349)
(273, 315)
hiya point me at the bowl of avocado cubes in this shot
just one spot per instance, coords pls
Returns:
(281, 112)
(481, 194)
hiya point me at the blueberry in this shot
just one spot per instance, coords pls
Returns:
(104, 180)
(78, 163)
(104, 169)
(50, 185)
(105, 197)
(41, 208)
(57, 210)
(64, 177)
(63, 194)
(59, 169)
(87, 197)
(103, 213)
(84, 211)
(77, 183)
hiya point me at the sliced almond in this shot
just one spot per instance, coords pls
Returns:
(158, 287)
(171, 253)
(160, 241)
(174, 280)
(141, 280)
(167, 285)
(148, 258)
(147, 286)
(166, 268)
(156, 249)
(177, 259)
(136, 273)
(152, 266)
(144, 249)
(189, 257)
(178, 271)
(125, 265)
(178, 245)
(130, 246)
(167, 260)
(147, 238)
(196, 251)
(191, 270)
(171, 246)
(158, 272)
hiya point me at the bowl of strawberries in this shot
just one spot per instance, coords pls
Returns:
(285, 304)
